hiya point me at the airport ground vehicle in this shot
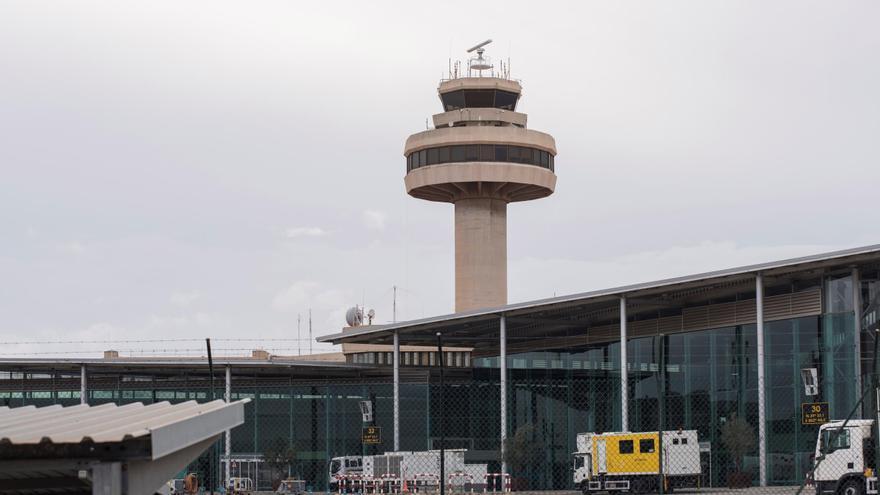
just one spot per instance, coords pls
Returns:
(389, 471)
(291, 486)
(240, 486)
(845, 458)
(187, 485)
(626, 461)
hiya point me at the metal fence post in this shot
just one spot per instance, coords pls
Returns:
(857, 327)
(83, 386)
(502, 365)
(228, 446)
(624, 388)
(442, 419)
(661, 400)
(762, 411)
(396, 392)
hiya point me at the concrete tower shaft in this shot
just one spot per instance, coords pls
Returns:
(480, 253)
(480, 156)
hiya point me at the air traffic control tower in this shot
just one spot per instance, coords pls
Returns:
(480, 156)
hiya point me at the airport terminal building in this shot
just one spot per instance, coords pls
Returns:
(694, 352)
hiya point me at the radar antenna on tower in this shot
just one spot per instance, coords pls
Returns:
(479, 63)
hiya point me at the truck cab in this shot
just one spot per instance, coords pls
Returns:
(582, 464)
(844, 458)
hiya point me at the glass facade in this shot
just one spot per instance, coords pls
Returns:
(711, 377)
(707, 378)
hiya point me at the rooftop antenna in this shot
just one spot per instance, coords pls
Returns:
(479, 63)
(299, 350)
(310, 331)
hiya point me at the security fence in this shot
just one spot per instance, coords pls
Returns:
(564, 427)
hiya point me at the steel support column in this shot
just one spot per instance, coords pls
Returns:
(228, 444)
(857, 327)
(107, 478)
(624, 389)
(762, 408)
(83, 386)
(396, 392)
(502, 366)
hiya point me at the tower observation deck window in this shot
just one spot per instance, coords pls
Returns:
(472, 153)
(480, 153)
(479, 98)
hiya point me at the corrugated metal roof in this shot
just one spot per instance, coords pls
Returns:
(170, 426)
(843, 256)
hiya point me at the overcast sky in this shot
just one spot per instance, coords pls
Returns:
(213, 169)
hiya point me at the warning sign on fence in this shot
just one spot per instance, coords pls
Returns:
(814, 413)
(372, 435)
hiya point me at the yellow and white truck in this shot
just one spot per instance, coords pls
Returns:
(628, 461)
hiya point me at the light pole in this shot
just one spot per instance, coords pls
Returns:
(442, 418)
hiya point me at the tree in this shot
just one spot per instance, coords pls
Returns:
(279, 456)
(739, 438)
(520, 449)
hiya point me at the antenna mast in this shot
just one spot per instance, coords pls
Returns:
(479, 63)
(310, 331)
(299, 350)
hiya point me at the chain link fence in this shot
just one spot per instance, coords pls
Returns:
(692, 422)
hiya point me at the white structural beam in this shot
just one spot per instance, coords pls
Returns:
(397, 392)
(107, 478)
(502, 366)
(624, 390)
(228, 444)
(148, 476)
(857, 326)
(83, 386)
(762, 408)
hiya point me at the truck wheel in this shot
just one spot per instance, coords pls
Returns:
(850, 487)
(585, 487)
(637, 486)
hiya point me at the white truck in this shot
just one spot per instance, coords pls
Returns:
(845, 458)
(630, 461)
(392, 469)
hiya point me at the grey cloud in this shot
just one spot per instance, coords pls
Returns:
(178, 144)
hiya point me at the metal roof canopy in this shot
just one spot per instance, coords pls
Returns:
(479, 328)
(133, 448)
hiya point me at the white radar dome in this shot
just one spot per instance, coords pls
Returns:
(354, 316)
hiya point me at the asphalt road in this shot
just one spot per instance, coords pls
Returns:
(757, 490)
